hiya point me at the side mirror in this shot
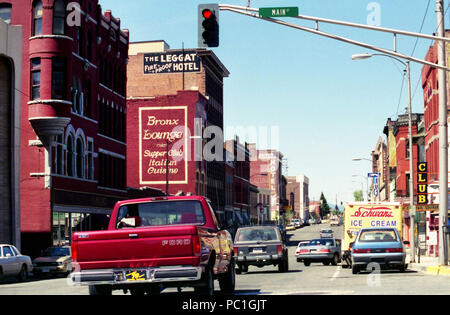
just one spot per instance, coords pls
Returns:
(8, 255)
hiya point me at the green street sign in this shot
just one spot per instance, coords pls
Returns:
(278, 12)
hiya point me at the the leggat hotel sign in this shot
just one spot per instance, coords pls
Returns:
(171, 62)
(159, 127)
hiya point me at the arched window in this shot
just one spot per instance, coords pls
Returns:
(59, 17)
(5, 12)
(37, 18)
(80, 158)
(70, 156)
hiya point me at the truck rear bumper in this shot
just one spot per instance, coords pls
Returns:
(135, 276)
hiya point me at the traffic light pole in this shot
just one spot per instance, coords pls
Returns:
(252, 12)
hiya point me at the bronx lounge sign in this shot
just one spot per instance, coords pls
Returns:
(174, 61)
(160, 127)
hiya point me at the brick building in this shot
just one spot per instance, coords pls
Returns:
(10, 83)
(155, 70)
(73, 105)
(297, 192)
(266, 173)
(240, 156)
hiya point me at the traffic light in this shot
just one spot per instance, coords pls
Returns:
(208, 25)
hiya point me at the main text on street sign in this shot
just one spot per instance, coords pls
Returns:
(278, 12)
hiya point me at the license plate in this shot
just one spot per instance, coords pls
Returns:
(46, 270)
(258, 250)
(136, 275)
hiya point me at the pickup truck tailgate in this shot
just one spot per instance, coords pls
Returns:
(136, 248)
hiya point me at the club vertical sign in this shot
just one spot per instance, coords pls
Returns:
(422, 183)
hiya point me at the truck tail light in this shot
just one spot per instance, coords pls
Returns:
(280, 249)
(235, 249)
(323, 250)
(361, 251)
(196, 246)
(74, 253)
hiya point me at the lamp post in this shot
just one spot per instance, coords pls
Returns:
(367, 184)
(363, 159)
(412, 209)
(362, 187)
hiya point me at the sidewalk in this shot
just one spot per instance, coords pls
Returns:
(429, 265)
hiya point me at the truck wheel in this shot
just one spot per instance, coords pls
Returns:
(100, 290)
(208, 287)
(227, 281)
(355, 270)
(307, 263)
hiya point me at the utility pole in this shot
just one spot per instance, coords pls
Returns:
(412, 208)
(443, 145)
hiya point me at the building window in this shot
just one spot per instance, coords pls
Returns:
(77, 97)
(35, 78)
(59, 17)
(87, 102)
(5, 12)
(90, 159)
(37, 18)
(59, 155)
(58, 78)
(70, 156)
(80, 41)
(80, 158)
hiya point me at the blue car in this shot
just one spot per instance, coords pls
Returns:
(378, 247)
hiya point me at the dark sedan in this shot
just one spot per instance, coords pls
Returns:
(260, 246)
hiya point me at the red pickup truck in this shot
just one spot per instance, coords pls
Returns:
(155, 243)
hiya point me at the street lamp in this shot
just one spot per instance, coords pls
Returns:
(412, 210)
(367, 184)
(362, 187)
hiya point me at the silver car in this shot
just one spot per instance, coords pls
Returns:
(13, 263)
(378, 247)
(325, 250)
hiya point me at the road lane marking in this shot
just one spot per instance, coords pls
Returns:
(336, 274)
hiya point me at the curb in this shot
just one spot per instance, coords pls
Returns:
(432, 270)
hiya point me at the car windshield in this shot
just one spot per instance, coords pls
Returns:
(321, 242)
(255, 235)
(160, 213)
(303, 244)
(378, 236)
(327, 231)
(56, 251)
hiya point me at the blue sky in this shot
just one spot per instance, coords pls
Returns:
(328, 108)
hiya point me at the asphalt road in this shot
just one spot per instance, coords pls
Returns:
(316, 279)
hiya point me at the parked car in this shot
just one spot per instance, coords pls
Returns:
(312, 221)
(300, 247)
(13, 263)
(326, 233)
(260, 246)
(290, 227)
(382, 246)
(325, 250)
(297, 223)
(54, 260)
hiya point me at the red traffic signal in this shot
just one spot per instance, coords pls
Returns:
(207, 13)
(208, 25)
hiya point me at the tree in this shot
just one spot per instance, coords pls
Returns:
(324, 205)
(358, 195)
